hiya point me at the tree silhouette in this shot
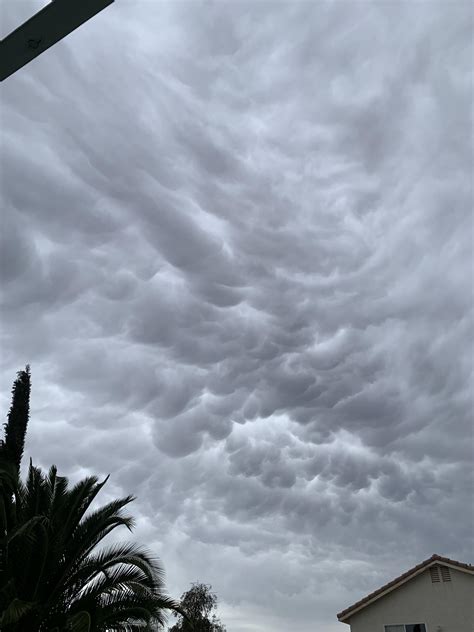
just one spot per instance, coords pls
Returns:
(15, 428)
(53, 575)
(198, 603)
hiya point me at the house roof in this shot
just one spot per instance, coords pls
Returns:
(401, 579)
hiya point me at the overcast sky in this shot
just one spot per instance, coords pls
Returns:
(237, 250)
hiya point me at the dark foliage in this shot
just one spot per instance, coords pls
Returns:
(53, 576)
(199, 604)
(15, 428)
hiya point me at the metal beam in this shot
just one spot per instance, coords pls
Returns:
(53, 22)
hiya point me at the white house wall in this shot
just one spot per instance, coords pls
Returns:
(445, 604)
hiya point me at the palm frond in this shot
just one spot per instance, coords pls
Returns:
(52, 575)
(15, 611)
(80, 622)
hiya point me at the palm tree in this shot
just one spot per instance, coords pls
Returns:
(53, 576)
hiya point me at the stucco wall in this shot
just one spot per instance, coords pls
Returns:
(445, 604)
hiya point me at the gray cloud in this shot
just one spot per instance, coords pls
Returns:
(238, 256)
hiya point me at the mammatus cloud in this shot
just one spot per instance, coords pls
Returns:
(238, 256)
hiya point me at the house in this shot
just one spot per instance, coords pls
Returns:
(435, 596)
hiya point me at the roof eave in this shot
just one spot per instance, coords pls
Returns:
(432, 561)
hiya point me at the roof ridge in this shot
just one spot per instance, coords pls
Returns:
(434, 558)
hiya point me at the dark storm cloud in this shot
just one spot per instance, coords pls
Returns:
(236, 247)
